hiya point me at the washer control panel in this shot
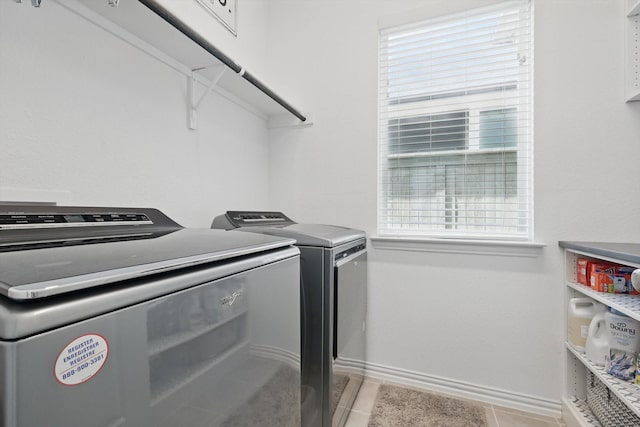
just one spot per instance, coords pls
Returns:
(55, 220)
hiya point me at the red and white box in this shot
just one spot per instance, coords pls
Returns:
(610, 278)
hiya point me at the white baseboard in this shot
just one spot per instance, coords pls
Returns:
(494, 396)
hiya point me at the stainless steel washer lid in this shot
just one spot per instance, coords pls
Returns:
(53, 270)
(326, 236)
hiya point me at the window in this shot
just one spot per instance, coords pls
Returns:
(455, 126)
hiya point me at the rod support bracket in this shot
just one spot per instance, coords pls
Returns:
(195, 104)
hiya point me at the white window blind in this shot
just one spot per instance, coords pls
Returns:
(455, 125)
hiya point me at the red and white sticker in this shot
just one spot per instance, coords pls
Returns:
(81, 359)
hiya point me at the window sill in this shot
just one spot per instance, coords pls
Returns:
(459, 246)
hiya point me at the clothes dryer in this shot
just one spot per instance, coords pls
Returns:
(333, 267)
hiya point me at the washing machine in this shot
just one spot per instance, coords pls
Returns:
(333, 269)
(120, 317)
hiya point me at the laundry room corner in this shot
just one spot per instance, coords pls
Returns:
(439, 319)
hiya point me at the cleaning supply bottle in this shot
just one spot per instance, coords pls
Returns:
(581, 311)
(624, 341)
(598, 339)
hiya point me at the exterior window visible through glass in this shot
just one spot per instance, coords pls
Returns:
(498, 128)
(435, 132)
(455, 122)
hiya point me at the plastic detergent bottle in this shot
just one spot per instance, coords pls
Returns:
(598, 339)
(581, 311)
(624, 340)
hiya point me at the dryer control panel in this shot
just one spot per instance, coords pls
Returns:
(237, 219)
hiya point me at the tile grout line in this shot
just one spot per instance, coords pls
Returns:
(358, 413)
(495, 417)
(548, 420)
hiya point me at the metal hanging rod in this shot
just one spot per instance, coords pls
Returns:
(200, 41)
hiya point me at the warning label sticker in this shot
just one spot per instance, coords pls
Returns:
(81, 359)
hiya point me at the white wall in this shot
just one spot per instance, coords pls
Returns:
(87, 119)
(489, 321)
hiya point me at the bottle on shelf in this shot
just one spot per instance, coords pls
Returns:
(598, 340)
(581, 311)
(624, 341)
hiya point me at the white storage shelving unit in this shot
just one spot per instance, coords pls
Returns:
(575, 410)
(632, 52)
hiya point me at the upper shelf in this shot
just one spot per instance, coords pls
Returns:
(149, 27)
(628, 253)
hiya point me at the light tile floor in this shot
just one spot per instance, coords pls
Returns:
(497, 416)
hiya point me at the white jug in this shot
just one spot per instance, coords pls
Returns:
(581, 311)
(598, 339)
